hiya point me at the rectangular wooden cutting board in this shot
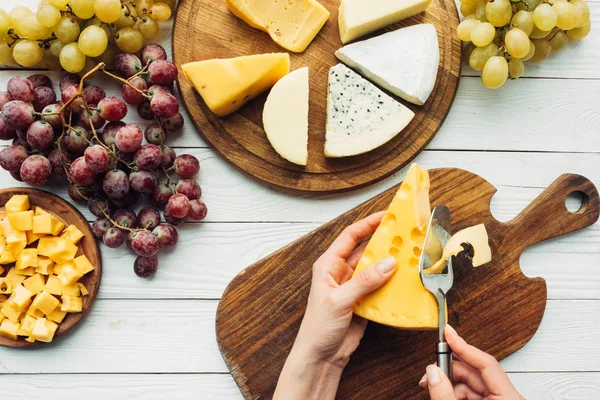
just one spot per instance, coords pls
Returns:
(495, 307)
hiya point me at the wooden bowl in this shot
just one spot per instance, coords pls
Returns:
(69, 215)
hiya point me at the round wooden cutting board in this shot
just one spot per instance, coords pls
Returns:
(206, 29)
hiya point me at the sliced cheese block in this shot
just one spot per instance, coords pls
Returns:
(285, 116)
(477, 237)
(404, 62)
(358, 17)
(360, 117)
(292, 24)
(403, 302)
(227, 84)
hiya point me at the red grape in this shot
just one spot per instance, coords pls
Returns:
(79, 193)
(175, 221)
(186, 166)
(145, 111)
(167, 235)
(143, 181)
(40, 135)
(153, 52)
(112, 108)
(144, 243)
(39, 80)
(98, 207)
(20, 88)
(148, 157)
(161, 195)
(53, 120)
(189, 188)
(16, 176)
(97, 158)
(174, 124)
(162, 72)
(113, 237)
(132, 96)
(100, 226)
(198, 210)
(126, 218)
(110, 131)
(22, 134)
(115, 184)
(164, 105)
(69, 92)
(93, 95)
(18, 114)
(168, 156)
(12, 157)
(69, 79)
(148, 217)
(127, 201)
(77, 139)
(127, 65)
(129, 138)
(36, 170)
(43, 96)
(80, 172)
(145, 267)
(154, 89)
(94, 117)
(6, 132)
(59, 160)
(154, 134)
(4, 98)
(178, 206)
(20, 142)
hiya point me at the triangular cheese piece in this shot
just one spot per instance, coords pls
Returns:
(404, 62)
(360, 117)
(227, 84)
(285, 116)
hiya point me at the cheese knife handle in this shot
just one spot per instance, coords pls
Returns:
(444, 359)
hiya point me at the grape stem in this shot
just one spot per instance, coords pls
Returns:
(116, 225)
(140, 72)
(126, 82)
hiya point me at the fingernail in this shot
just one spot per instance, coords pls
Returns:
(422, 381)
(451, 330)
(433, 375)
(386, 265)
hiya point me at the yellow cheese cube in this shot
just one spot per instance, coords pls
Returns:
(3, 298)
(15, 237)
(45, 302)
(9, 329)
(40, 211)
(32, 237)
(71, 290)
(6, 286)
(82, 289)
(53, 286)
(71, 304)
(7, 257)
(26, 272)
(57, 315)
(63, 252)
(35, 284)
(42, 224)
(11, 312)
(44, 266)
(20, 298)
(22, 220)
(69, 275)
(57, 226)
(30, 339)
(17, 203)
(6, 228)
(1, 229)
(46, 245)
(27, 324)
(17, 247)
(34, 312)
(83, 264)
(14, 278)
(27, 258)
(72, 234)
(2, 244)
(44, 330)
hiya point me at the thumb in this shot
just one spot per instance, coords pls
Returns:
(439, 385)
(366, 281)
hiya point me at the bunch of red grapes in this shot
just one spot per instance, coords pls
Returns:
(83, 139)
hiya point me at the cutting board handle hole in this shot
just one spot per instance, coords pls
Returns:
(576, 202)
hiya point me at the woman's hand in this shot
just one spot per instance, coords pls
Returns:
(330, 332)
(478, 376)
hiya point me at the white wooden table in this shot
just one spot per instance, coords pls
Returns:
(156, 339)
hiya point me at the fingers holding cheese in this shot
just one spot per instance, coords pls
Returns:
(366, 281)
(343, 246)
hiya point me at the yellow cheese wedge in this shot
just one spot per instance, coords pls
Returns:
(292, 24)
(227, 84)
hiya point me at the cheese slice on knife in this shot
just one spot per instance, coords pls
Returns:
(357, 18)
(227, 84)
(404, 62)
(285, 116)
(477, 237)
(360, 117)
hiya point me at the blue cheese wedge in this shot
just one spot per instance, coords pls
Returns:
(360, 117)
(404, 62)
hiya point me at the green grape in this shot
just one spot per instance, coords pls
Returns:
(471, 16)
(93, 41)
(50, 61)
(129, 40)
(559, 41)
(517, 43)
(60, 4)
(162, 12)
(581, 32)
(143, 6)
(148, 27)
(567, 15)
(48, 16)
(71, 58)
(56, 47)
(108, 57)
(545, 17)
(465, 9)
(5, 24)
(542, 50)
(531, 4)
(27, 53)
(5, 52)
(523, 20)
(84, 9)
(31, 28)
(515, 68)
(482, 34)
(108, 10)
(481, 55)
(16, 15)
(480, 10)
(465, 28)
(126, 17)
(105, 27)
(498, 12)
(495, 72)
(467, 51)
(583, 10)
(173, 3)
(530, 53)
(537, 33)
(67, 30)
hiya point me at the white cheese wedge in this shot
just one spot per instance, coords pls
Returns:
(404, 61)
(285, 116)
(360, 117)
(359, 17)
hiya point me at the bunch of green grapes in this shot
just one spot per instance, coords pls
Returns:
(76, 34)
(503, 34)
